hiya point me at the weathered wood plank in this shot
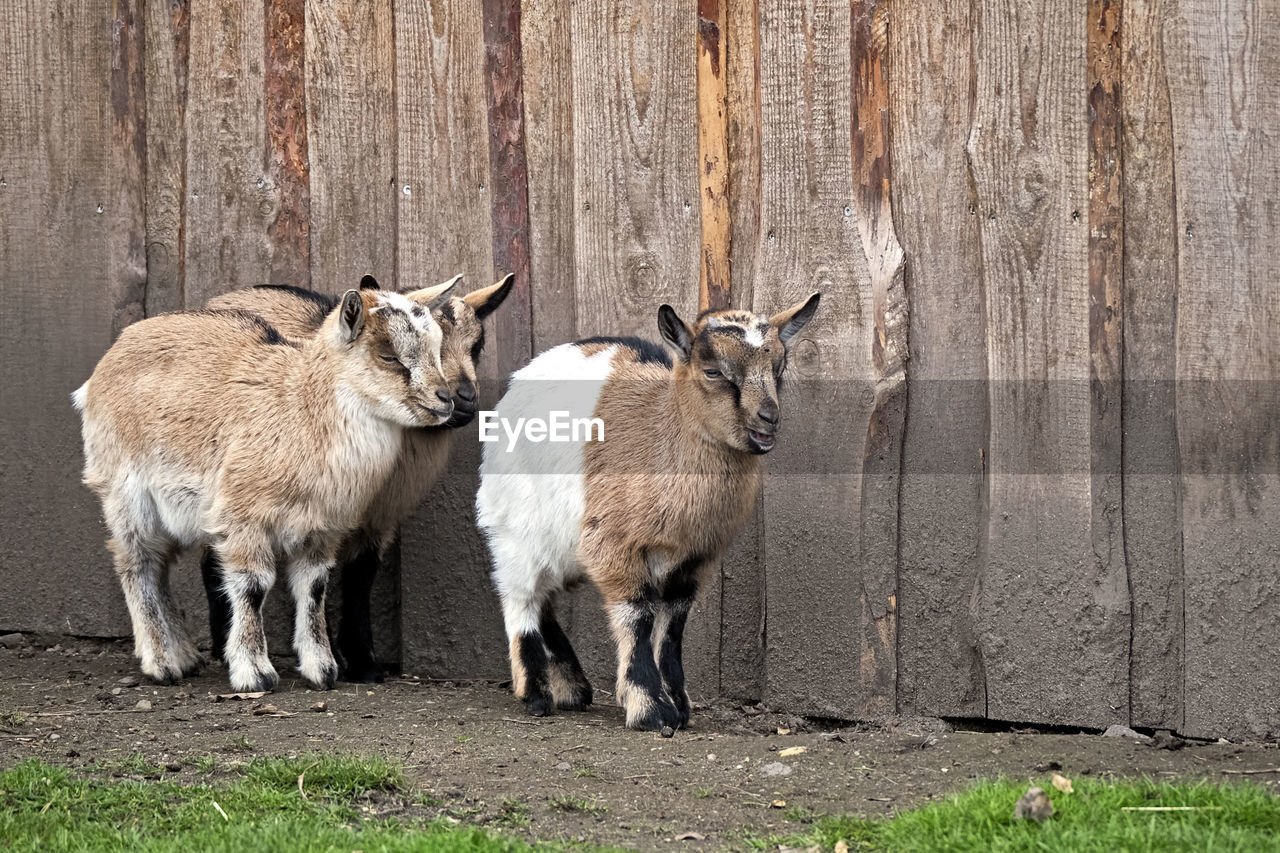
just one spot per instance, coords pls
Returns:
(813, 489)
(882, 451)
(444, 228)
(70, 158)
(1152, 523)
(742, 602)
(168, 27)
(1054, 613)
(713, 154)
(286, 85)
(942, 509)
(350, 123)
(547, 57)
(509, 181)
(1221, 71)
(230, 202)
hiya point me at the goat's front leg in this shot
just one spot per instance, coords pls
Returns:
(249, 571)
(639, 685)
(308, 578)
(679, 590)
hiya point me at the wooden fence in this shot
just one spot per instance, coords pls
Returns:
(1031, 469)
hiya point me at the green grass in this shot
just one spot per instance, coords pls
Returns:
(1232, 819)
(47, 808)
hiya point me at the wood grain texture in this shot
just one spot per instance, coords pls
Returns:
(742, 604)
(444, 227)
(286, 86)
(1152, 522)
(1225, 116)
(68, 264)
(713, 154)
(230, 202)
(351, 128)
(547, 58)
(942, 506)
(168, 46)
(882, 451)
(636, 228)
(129, 148)
(816, 584)
(509, 181)
(1053, 611)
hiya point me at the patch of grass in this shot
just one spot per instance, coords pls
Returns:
(134, 765)
(47, 808)
(240, 744)
(585, 772)
(570, 803)
(703, 793)
(12, 719)
(206, 764)
(1228, 818)
(798, 814)
(463, 739)
(513, 813)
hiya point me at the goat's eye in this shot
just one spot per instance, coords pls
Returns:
(712, 374)
(389, 359)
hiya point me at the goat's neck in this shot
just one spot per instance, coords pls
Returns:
(705, 451)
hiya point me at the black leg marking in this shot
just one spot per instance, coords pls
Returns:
(678, 594)
(642, 676)
(564, 663)
(355, 630)
(219, 604)
(533, 659)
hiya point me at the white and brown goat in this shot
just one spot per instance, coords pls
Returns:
(298, 314)
(210, 427)
(642, 513)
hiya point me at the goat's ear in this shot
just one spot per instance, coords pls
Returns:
(487, 299)
(369, 283)
(675, 331)
(790, 322)
(350, 316)
(426, 294)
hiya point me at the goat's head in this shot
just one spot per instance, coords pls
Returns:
(461, 320)
(390, 345)
(733, 361)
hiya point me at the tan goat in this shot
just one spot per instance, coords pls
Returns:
(298, 314)
(211, 428)
(643, 508)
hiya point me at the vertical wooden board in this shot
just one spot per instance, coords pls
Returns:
(168, 27)
(285, 87)
(69, 241)
(342, 172)
(942, 513)
(230, 203)
(548, 100)
(351, 142)
(742, 604)
(451, 624)
(1152, 526)
(713, 154)
(816, 592)
(1222, 65)
(636, 231)
(636, 227)
(1054, 618)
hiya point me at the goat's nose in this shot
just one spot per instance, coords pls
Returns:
(466, 391)
(768, 412)
(444, 396)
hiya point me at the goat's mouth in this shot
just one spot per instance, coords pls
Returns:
(760, 442)
(440, 415)
(463, 414)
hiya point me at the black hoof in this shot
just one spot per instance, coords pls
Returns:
(194, 668)
(369, 674)
(662, 715)
(262, 682)
(537, 705)
(327, 679)
(578, 700)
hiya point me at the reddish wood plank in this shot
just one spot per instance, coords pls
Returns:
(713, 155)
(288, 165)
(509, 178)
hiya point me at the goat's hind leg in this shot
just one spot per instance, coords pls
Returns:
(308, 578)
(355, 631)
(569, 685)
(142, 553)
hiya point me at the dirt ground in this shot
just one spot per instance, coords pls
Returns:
(574, 776)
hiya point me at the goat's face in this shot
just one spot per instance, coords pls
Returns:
(735, 360)
(391, 345)
(461, 320)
